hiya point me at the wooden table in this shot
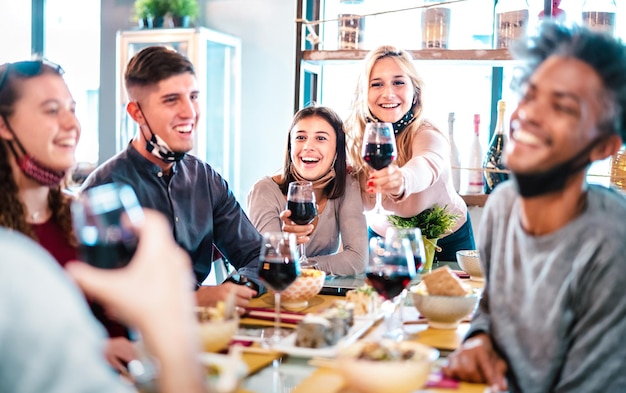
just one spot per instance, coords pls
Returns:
(329, 378)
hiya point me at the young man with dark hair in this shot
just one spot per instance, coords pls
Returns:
(163, 100)
(552, 317)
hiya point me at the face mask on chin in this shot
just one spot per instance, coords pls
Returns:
(157, 146)
(531, 185)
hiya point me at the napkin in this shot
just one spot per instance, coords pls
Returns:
(437, 380)
(269, 315)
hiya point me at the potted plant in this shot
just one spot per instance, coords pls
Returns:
(183, 11)
(150, 13)
(433, 223)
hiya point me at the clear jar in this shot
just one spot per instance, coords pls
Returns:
(618, 169)
(435, 26)
(599, 15)
(510, 22)
(351, 24)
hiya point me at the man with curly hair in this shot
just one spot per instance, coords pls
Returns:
(552, 316)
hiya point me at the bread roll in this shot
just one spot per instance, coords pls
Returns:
(443, 282)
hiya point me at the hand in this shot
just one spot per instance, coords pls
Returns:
(302, 232)
(118, 352)
(388, 180)
(155, 286)
(477, 361)
(209, 295)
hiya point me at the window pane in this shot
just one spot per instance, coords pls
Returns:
(15, 31)
(72, 39)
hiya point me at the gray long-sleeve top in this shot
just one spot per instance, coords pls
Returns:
(341, 223)
(555, 304)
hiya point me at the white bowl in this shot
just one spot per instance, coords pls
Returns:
(387, 376)
(443, 312)
(215, 334)
(469, 261)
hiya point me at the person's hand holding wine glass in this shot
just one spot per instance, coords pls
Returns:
(279, 266)
(379, 150)
(302, 205)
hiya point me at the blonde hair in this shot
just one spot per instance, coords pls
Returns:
(360, 112)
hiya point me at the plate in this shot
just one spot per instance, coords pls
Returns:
(288, 344)
(220, 363)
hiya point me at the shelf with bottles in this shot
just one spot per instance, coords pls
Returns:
(492, 57)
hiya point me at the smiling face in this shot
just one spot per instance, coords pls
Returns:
(557, 116)
(313, 147)
(170, 108)
(44, 121)
(390, 93)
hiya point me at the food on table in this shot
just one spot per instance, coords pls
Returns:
(385, 350)
(443, 282)
(324, 329)
(365, 300)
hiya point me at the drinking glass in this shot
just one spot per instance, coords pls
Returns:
(301, 203)
(98, 216)
(389, 271)
(414, 236)
(279, 266)
(379, 150)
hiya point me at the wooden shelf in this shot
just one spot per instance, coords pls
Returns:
(476, 56)
(478, 200)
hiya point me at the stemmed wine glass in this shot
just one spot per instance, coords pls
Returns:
(279, 266)
(414, 236)
(379, 150)
(389, 271)
(301, 203)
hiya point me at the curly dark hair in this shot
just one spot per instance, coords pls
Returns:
(336, 188)
(606, 55)
(12, 210)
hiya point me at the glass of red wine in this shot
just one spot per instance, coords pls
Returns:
(301, 203)
(279, 266)
(102, 217)
(389, 271)
(379, 150)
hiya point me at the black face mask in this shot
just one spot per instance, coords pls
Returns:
(158, 147)
(552, 180)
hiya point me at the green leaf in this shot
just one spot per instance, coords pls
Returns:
(433, 222)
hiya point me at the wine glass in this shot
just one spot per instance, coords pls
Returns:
(379, 150)
(301, 203)
(279, 266)
(98, 216)
(389, 271)
(414, 236)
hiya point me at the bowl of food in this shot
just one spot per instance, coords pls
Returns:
(469, 261)
(386, 366)
(216, 330)
(444, 312)
(308, 284)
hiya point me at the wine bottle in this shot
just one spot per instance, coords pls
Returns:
(493, 162)
(476, 183)
(599, 15)
(455, 164)
(511, 20)
(618, 169)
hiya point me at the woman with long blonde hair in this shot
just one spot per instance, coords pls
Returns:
(389, 89)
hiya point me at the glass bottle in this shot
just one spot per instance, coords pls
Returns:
(475, 179)
(493, 162)
(351, 24)
(618, 169)
(455, 164)
(510, 22)
(599, 15)
(435, 26)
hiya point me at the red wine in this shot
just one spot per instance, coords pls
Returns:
(388, 284)
(302, 213)
(278, 274)
(107, 255)
(419, 263)
(378, 156)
